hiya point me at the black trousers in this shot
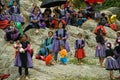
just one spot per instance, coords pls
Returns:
(33, 25)
(55, 56)
(23, 58)
(8, 36)
(20, 71)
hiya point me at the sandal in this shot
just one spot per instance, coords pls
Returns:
(27, 78)
(19, 78)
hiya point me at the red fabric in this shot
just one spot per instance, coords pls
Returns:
(63, 21)
(91, 1)
(101, 1)
(4, 76)
(65, 5)
(80, 53)
(55, 23)
(102, 28)
(3, 24)
(113, 26)
(48, 59)
(16, 52)
(37, 56)
(94, 1)
(31, 51)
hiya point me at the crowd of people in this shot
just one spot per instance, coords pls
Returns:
(11, 22)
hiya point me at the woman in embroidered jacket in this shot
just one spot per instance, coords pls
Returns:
(60, 38)
(23, 58)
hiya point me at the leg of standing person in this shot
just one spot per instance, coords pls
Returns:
(111, 75)
(26, 73)
(20, 70)
(55, 56)
(101, 62)
(20, 73)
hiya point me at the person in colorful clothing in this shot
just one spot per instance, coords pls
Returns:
(35, 21)
(49, 59)
(12, 33)
(48, 45)
(23, 58)
(15, 13)
(60, 38)
(100, 49)
(11, 2)
(3, 19)
(110, 63)
(117, 51)
(63, 53)
(79, 48)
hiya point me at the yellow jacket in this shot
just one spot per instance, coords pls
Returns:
(63, 53)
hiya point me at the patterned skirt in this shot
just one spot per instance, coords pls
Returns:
(100, 51)
(111, 64)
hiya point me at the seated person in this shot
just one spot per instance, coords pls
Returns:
(3, 19)
(49, 59)
(12, 34)
(48, 44)
(80, 19)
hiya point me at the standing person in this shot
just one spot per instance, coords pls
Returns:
(110, 64)
(117, 51)
(60, 38)
(23, 58)
(100, 49)
(79, 48)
